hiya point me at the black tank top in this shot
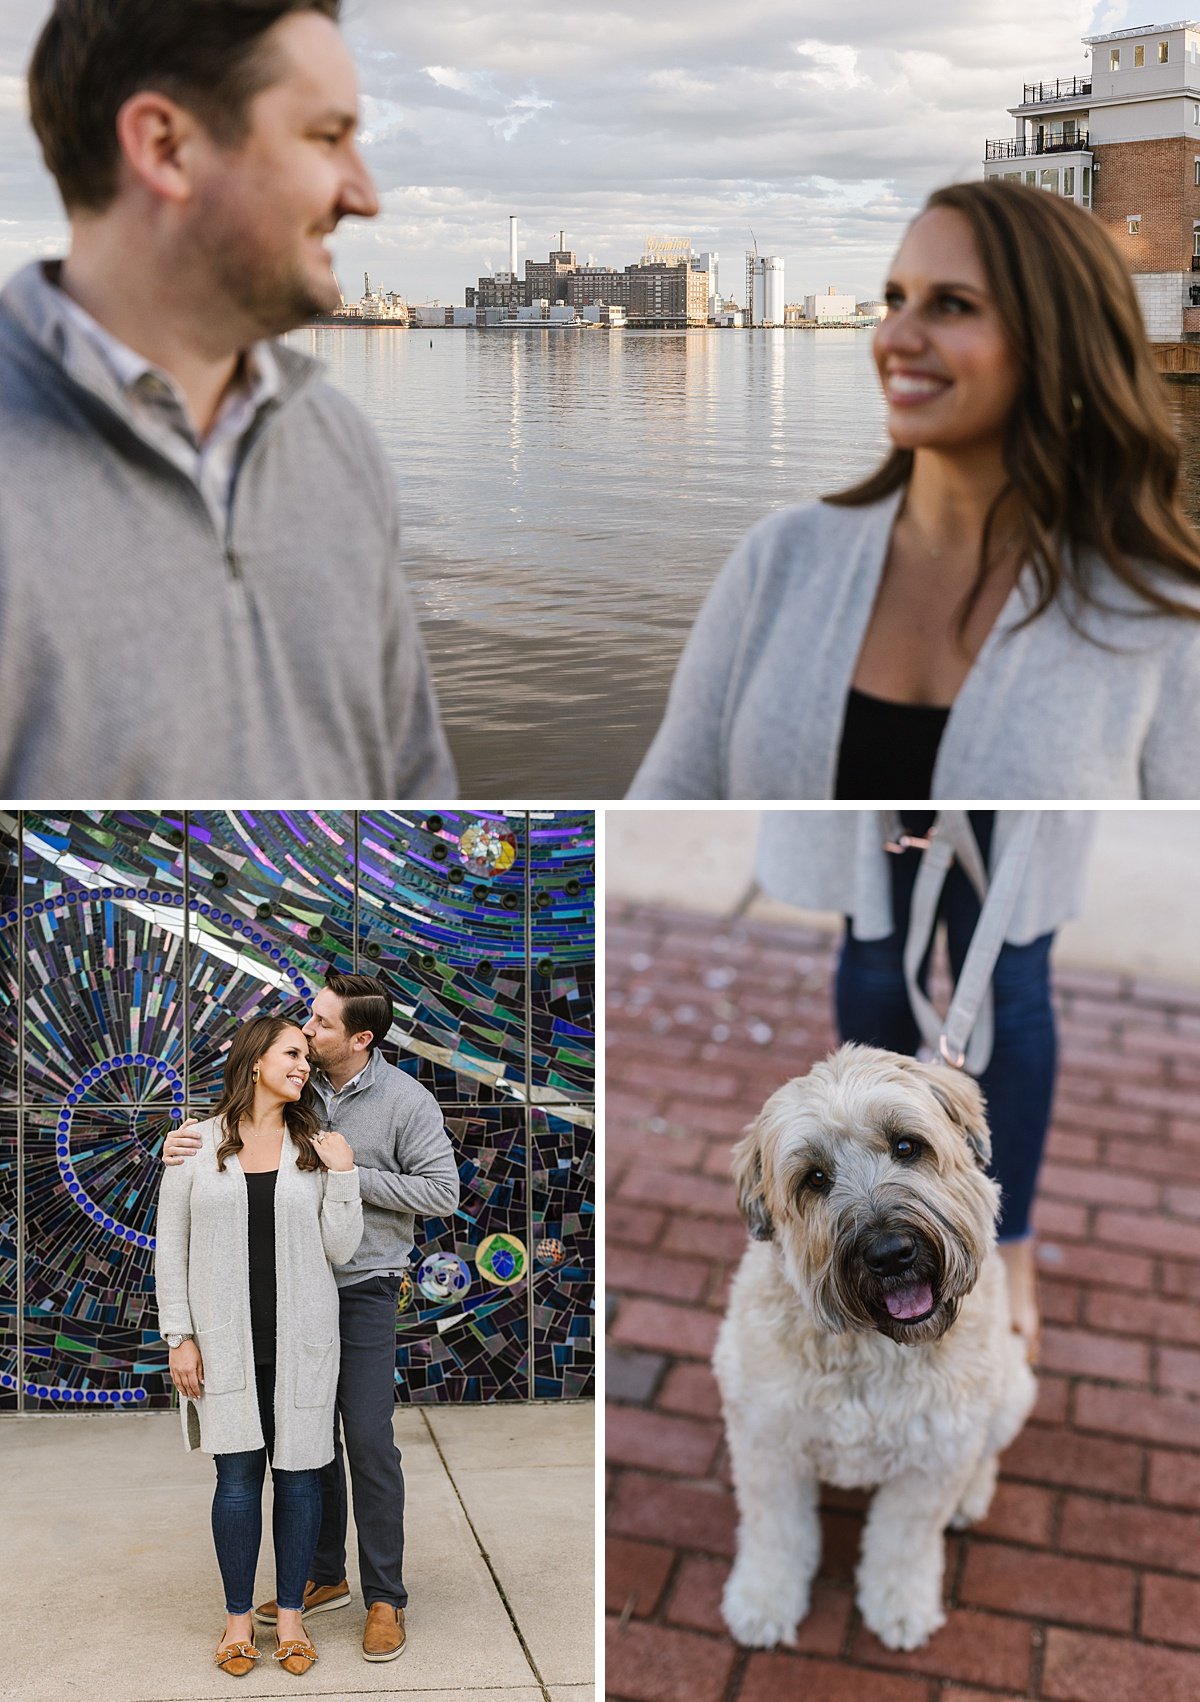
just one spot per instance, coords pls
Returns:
(888, 749)
(260, 1201)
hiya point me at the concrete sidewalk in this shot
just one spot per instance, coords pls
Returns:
(113, 1588)
(1083, 1583)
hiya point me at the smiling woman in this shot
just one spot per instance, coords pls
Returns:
(247, 1234)
(1010, 606)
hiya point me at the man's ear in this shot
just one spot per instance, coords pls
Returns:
(961, 1098)
(747, 1174)
(156, 137)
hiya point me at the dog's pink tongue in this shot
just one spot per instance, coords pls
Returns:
(911, 1302)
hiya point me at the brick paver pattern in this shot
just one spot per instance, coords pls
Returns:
(1083, 1584)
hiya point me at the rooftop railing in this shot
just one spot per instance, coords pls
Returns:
(1026, 147)
(1062, 88)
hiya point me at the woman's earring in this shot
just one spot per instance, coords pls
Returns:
(1076, 411)
(254, 1077)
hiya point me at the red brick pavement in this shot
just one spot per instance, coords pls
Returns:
(1083, 1584)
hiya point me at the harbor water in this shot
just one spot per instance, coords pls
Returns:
(568, 497)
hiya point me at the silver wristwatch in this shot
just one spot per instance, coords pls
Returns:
(177, 1341)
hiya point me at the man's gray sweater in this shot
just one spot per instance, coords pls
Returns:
(405, 1162)
(142, 654)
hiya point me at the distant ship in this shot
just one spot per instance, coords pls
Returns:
(377, 307)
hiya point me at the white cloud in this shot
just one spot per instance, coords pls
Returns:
(448, 78)
(520, 111)
(380, 119)
(831, 66)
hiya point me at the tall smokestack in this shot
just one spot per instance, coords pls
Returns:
(512, 244)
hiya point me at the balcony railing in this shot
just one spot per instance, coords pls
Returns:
(1026, 147)
(1062, 88)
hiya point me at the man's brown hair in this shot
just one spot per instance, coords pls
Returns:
(366, 1004)
(93, 55)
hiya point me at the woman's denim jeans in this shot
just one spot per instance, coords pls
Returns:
(237, 1515)
(872, 1007)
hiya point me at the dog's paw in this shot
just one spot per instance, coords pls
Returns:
(900, 1616)
(761, 1616)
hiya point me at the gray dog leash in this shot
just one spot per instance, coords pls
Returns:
(963, 1038)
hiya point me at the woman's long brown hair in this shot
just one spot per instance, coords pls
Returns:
(300, 1116)
(1089, 448)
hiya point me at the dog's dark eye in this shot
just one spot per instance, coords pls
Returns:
(817, 1181)
(906, 1149)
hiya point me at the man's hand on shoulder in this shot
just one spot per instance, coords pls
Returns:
(182, 1142)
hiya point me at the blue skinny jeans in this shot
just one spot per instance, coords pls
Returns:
(872, 1007)
(237, 1515)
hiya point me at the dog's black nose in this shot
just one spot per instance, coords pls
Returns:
(889, 1254)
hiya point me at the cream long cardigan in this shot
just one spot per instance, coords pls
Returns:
(202, 1277)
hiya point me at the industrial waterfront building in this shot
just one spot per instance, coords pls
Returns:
(499, 289)
(546, 280)
(1124, 143)
(595, 286)
(668, 288)
(764, 289)
(831, 305)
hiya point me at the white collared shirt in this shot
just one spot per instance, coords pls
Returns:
(161, 409)
(333, 1096)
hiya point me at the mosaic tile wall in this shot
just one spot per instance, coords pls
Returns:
(131, 947)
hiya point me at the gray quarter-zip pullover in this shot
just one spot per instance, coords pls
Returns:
(142, 654)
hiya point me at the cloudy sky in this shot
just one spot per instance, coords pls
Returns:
(819, 124)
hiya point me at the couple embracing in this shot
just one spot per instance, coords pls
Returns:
(285, 1222)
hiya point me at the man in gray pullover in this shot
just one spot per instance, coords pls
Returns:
(200, 589)
(406, 1170)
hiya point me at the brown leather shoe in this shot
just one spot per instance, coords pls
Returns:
(385, 1636)
(318, 1598)
(295, 1654)
(237, 1659)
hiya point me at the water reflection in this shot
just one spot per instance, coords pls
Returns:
(567, 498)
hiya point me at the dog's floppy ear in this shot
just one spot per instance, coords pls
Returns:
(747, 1173)
(961, 1098)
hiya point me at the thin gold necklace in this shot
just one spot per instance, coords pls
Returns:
(280, 1129)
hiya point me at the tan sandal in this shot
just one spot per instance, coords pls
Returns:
(237, 1659)
(295, 1655)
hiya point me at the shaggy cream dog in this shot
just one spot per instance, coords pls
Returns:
(867, 1342)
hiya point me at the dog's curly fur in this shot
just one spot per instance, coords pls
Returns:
(867, 1341)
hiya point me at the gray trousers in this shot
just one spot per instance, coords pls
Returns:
(366, 1399)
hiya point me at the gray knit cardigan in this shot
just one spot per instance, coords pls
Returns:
(834, 860)
(1044, 714)
(202, 1277)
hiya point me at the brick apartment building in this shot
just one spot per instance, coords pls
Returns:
(1124, 142)
(668, 295)
(497, 289)
(547, 280)
(589, 286)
